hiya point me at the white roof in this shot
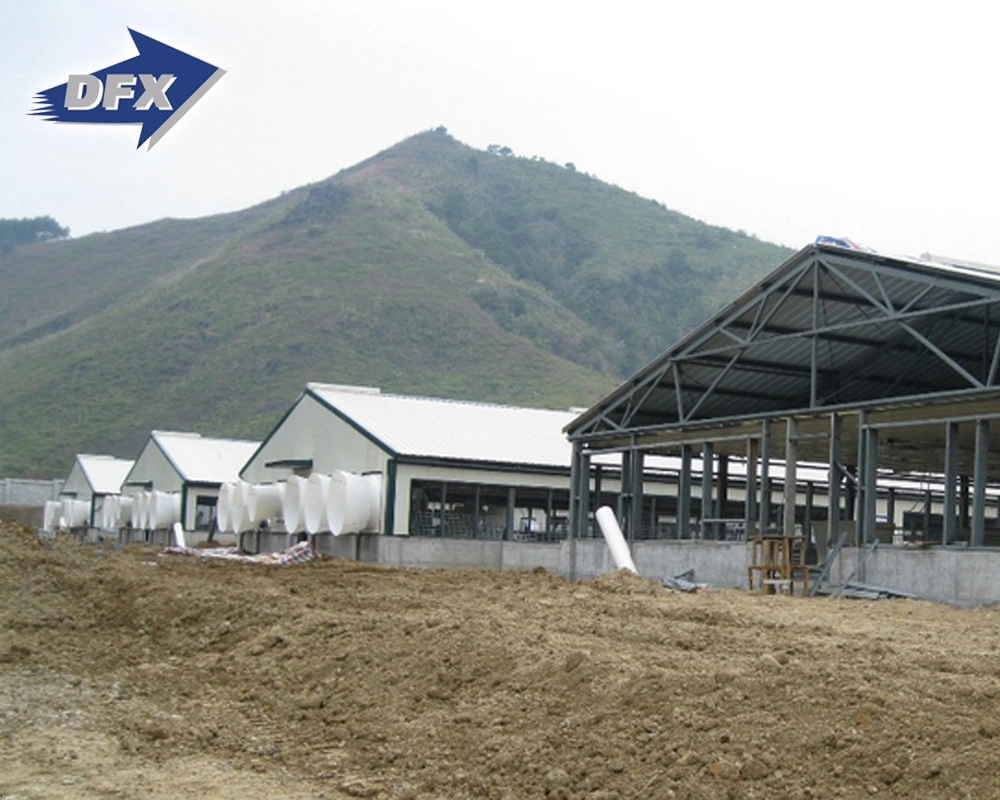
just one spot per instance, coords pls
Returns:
(453, 429)
(104, 474)
(201, 460)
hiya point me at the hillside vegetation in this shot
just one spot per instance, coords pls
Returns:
(431, 268)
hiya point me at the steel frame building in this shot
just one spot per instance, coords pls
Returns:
(875, 366)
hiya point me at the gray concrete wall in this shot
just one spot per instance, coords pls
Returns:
(953, 575)
(960, 576)
(24, 492)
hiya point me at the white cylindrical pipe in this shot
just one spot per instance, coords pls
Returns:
(264, 501)
(616, 542)
(179, 539)
(223, 508)
(353, 503)
(164, 509)
(314, 507)
(292, 504)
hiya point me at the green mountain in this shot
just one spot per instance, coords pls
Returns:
(431, 268)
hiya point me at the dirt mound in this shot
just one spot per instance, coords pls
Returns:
(140, 675)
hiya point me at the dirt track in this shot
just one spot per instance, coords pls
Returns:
(136, 675)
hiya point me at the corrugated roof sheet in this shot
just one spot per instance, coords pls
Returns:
(105, 474)
(202, 460)
(453, 429)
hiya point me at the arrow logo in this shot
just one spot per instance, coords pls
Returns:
(153, 89)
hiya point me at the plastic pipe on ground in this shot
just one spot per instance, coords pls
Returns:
(314, 508)
(353, 505)
(179, 539)
(616, 542)
(264, 501)
(292, 503)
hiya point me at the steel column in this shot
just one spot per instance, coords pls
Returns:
(684, 495)
(765, 475)
(707, 504)
(948, 531)
(750, 504)
(979, 479)
(791, 474)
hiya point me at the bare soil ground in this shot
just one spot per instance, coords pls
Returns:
(137, 675)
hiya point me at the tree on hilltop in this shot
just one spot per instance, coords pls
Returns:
(15, 232)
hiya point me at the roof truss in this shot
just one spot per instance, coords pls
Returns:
(829, 327)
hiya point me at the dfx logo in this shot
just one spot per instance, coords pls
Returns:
(154, 89)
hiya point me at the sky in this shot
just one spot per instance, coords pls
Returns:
(876, 121)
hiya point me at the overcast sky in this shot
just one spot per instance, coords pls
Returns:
(874, 121)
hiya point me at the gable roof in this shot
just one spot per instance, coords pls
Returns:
(829, 328)
(104, 474)
(451, 429)
(199, 459)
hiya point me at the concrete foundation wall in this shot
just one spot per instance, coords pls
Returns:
(956, 575)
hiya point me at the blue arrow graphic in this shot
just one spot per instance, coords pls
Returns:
(153, 89)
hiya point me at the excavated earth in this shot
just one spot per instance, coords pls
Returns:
(141, 675)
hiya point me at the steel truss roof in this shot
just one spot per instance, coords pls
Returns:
(829, 329)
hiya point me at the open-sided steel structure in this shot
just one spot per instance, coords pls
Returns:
(874, 365)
